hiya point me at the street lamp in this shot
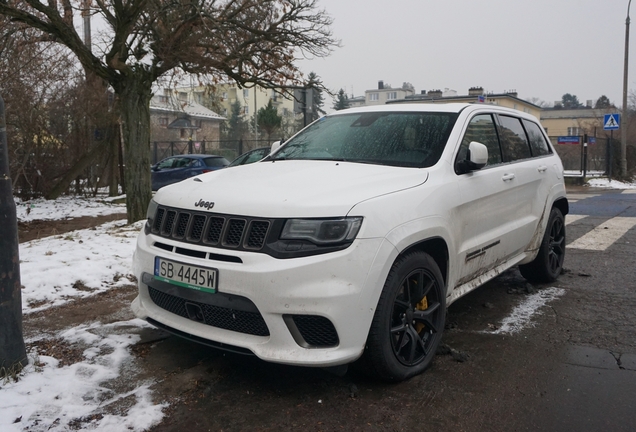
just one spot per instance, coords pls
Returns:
(624, 121)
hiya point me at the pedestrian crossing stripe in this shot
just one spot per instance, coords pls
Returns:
(573, 218)
(602, 236)
(573, 197)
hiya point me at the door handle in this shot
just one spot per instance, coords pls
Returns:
(542, 168)
(507, 177)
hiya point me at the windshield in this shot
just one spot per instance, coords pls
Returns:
(408, 139)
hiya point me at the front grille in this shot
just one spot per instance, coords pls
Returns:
(317, 331)
(223, 231)
(182, 225)
(215, 316)
(196, 232)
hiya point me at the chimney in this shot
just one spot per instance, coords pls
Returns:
(380, 85)
(512, 93)
(475, 91)
(434, 93)
(423, 92)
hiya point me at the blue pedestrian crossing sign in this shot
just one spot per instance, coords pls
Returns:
(611, 121)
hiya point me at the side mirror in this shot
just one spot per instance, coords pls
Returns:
(153, 167)
(477, 154)
(476, 158)
(275, 146)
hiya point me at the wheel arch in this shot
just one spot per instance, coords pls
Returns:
(563, 205)
(437, 248)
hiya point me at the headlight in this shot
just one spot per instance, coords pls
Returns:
(322, 231)
(152, 209)
(150, 215)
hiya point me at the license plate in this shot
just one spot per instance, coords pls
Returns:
(184, 275)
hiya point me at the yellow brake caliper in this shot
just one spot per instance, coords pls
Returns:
(422, 305)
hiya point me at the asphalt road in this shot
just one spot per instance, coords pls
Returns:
(516, 357)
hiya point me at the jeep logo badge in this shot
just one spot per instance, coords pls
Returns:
(204, 204)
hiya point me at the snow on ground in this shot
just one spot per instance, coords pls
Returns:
(521, 315)
(49, 396)
(54, 270)
(52, 398)
(614, 184)
(66, 207)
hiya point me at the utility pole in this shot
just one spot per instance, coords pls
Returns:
(258, 143)
(86, 16)
(12, 350)
(624, 122)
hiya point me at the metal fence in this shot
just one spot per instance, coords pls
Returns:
(230, 149)
(598, 156)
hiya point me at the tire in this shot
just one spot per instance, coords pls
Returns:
(548, 264)
(409, 320)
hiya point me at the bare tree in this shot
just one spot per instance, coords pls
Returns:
(539, 102)
(34, 78)
(253, 42)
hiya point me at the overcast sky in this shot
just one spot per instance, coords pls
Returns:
(541, 48)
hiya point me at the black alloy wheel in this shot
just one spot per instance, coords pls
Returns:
(409, 320)
(415, 318)
(556, 245)
(548, 264)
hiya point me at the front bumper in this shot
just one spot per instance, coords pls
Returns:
(342, 287)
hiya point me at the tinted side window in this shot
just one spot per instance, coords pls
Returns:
(181, 162)
(538, 145)
(166, 163)
(514, 143)
(482, 129)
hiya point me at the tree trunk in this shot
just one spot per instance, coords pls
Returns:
(12, 350)
(134, 94)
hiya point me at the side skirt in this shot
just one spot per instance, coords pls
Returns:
(481, 279)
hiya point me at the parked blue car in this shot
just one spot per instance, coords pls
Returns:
(176, 168)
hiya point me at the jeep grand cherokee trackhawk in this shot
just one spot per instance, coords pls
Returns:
(352, 238)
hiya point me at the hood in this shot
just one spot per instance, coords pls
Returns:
(290, 188)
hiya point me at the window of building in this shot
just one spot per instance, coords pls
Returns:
(183, 96)
(374, 96)
(163, 121)
(391, 95)
(572, 131)
(246, 109)
(184, 133)
(163, 99)
(246, 93)
(224, 96)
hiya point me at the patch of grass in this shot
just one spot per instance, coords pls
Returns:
(11, 373)
(80, 286)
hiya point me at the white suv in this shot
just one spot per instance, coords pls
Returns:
(352, 238)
